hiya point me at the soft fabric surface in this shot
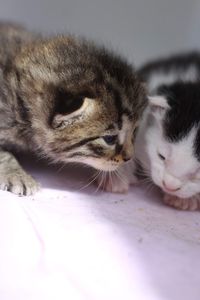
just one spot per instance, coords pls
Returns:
(78, 244)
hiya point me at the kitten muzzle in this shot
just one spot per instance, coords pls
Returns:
(120, 158)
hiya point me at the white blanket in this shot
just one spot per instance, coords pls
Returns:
(67, 243)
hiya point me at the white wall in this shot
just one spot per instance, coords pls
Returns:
(140, 29)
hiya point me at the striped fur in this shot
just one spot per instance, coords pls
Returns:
(61, 95)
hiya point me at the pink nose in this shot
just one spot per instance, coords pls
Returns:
(169, 187)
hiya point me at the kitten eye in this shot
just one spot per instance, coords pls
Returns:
(161, 156)
(110, 139)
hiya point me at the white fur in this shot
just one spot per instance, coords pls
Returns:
(179, 174)
(180, 169)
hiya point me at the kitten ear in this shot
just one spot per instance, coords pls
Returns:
(69, 110)
(158, 106)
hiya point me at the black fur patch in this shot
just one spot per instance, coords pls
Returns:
(184, 112)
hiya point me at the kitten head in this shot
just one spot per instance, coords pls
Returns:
(83, 102)
(173, 139)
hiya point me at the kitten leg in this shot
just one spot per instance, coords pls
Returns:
(114, 184)
(192, 203)
(13, 178)
(119, 181)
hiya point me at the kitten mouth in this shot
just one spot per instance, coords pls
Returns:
(171, 192)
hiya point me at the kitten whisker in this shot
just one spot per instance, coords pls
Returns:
(100, 182)
(117, 173)
(61, 168)
(143, 165)
(93, 177)
(149, 187)
(110, 178)
(105, 178)
(143, 173)
(146, 180)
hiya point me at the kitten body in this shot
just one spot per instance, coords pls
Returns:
(167, 147)
(66, 99)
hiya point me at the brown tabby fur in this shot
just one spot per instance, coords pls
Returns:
(44, 83)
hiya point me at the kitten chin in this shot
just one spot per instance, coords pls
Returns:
(67, 99)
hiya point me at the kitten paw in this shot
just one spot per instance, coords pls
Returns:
(113, 184)
(19, 183)
(13, 178)
(192, 203)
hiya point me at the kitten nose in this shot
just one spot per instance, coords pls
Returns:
(126, 156)
(121, 158)
(170, 187)
(126, 159)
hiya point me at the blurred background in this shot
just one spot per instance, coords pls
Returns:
(140, 29)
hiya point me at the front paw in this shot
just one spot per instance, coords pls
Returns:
(113, 184)
(19, 183)
(192, 203)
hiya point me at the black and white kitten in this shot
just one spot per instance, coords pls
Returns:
(168, 139)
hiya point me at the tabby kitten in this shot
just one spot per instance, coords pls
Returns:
(64, 98)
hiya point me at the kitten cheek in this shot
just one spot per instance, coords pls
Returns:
(101, 164)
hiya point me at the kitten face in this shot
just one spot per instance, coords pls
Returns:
(96, 138)
(173, 166)
(172, 141)
(83, 102)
